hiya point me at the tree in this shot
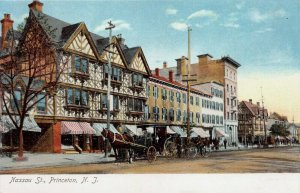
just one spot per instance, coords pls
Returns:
(279, 129)
(32, 65)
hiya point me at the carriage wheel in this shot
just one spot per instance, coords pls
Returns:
(171, 150)
(151, 154)
(205, 152)
(191, 152)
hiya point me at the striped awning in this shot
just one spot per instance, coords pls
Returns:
(200, 132)
(134, 130)
(28, 125)
(100, 126)
(179, 131)
(73, 128)
(221, 133)
(170, 131)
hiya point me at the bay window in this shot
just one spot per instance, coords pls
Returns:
(81, 64)
(137, 79)
(77, 97)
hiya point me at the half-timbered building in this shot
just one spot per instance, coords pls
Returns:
(77, 112)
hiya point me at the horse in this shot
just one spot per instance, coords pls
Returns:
(117, 140)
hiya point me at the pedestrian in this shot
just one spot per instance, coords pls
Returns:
(225, 142)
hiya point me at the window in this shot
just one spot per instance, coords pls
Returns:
(202, 102)
(228, 116)
(213, 119)
(81, 64)
(115, 102)
(17, 101)
(146, 113)
(164, 94)
(103, 101)
(203, 118)
(77, 97)
(164, 114)
(137, 79)
(197, 101)
(221, 120)
(221, 94)
(148, 90)
(191, 117)
(184, 98)
(178, 97)
(171, 93)
(198, 117)
(155, 92)
(171, 114)
(217, 119)
(178, 115)
(217, 106)
(213, 105)
(115, 75)
(212, 91)
(156, 113)
(41, 104)
(184, 116)
(227, 101)
(191, 100)
(221, 106)
(135, 105)
(227, 88)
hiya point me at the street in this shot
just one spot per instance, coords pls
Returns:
(271, 160)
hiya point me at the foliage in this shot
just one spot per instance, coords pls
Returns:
(279, 129)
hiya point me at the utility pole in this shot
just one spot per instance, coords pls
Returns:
(263, 106)
(188, 79)
(110, 27)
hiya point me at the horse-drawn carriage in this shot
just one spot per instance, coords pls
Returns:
(128, 148)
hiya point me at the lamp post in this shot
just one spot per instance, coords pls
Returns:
(265, 129)
(110, 27)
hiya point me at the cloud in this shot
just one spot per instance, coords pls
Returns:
(268, 29)
(171, 11)
(240, 5)
(180, 26)
(232, 21)
(204, 13)
(258, 17)
(120, 25)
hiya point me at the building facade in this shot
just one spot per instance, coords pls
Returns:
(252, 122)
(77, 111)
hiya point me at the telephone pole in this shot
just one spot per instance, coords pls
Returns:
(188, 80)
(110, 27)
(263, 106)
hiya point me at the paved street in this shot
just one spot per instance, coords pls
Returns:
(277, 160)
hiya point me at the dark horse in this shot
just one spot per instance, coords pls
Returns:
(117, 140)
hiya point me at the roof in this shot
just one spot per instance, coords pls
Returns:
(255, 109)
(202, 55)
(129, 53)
(232, 61)
(214, 82)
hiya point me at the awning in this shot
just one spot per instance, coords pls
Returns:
(74, 128)
(221, 133)
(150, 129)
(28, 125)
(179, 131)
(98, 127)
(200, 132)
(170, 131)
(134, 130)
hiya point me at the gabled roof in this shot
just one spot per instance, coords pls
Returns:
(68, 31)
(255, 109)
(129, 53)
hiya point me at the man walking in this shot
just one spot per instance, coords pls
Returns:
(225, 142)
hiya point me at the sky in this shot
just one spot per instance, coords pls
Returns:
(262, 35)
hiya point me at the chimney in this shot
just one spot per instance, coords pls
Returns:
(204, 58)
(165, 65)
(171, 79)
(181, 65)
(258, 104)
(250, 101)
(36, 5)
(120, 39)
(157, 71)
(7, 24)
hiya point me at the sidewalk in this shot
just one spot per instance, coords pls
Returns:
(48, 159)
(244, 148)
